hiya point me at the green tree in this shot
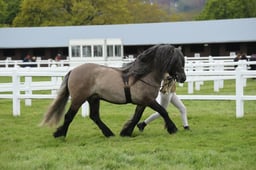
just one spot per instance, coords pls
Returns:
(71, 12)
(111, 12)
(3, 12)
(146, 13)
(42, 13)
(87, 12)
(8, 11)
(224, 9)
(13, 8)
(82, 12)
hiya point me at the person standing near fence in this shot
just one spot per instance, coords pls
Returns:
(167, 94)
(240, 56)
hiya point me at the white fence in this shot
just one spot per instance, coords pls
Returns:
(8, 63)
(197, 73)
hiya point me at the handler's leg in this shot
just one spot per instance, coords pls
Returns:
(181, 107)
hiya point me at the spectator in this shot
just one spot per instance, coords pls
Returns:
(29, 59)
(58, 57)
(240, 56)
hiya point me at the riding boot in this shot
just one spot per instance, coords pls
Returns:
(141, 126)
(186, 128)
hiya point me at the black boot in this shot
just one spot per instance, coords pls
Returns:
(186, 128)
(141, 126)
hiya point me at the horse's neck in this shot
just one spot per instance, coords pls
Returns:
(154, 78)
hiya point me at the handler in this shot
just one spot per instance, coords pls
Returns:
(167, 95)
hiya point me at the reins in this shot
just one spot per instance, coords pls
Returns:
(155, 86)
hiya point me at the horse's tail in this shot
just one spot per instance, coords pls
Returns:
(56, 110)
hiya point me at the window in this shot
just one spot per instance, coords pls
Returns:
(110, 51)
(118, 50)
(87, 51)
(98, 52)
(75, 51)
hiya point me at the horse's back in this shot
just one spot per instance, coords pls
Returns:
(88, 79)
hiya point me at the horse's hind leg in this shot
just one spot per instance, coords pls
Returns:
(62, 130)
(171, 127)
(94, 103)
(130, 124)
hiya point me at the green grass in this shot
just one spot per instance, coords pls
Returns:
(217, 139)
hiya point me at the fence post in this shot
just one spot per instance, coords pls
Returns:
(85, 109)
(54, 81)
(198, 68)
(28, 81)
(242, 64)
(218, 83)
(16, 93)
(239, 93)
(190, 83)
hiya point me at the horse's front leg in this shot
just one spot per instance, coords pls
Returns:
(130, 124)
(94, 103)
(171, 127)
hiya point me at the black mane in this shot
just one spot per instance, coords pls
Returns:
(158, 58)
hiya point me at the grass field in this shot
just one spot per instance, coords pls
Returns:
(217, 139)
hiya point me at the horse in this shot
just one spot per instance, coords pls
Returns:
(137, 82)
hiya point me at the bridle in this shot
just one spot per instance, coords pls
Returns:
(155, 86)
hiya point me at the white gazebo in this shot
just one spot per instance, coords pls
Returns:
(103, 51)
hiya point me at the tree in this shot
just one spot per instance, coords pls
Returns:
(146, 13)
(111, 12)
(42, 13)
(87, 12)
(82, 12)
(3, 12)
(13, 8)
(224, 9)
(71, 12)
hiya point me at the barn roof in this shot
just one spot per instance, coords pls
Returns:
(189, 32)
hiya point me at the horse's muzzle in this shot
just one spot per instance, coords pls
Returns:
(181, 78)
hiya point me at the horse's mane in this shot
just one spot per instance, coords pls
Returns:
(158, 58)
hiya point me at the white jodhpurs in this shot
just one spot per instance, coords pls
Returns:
(164, 100)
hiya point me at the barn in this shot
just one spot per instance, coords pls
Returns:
(212, 37)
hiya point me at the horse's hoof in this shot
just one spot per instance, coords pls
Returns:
(172, 130)
(58, 134)
(109, 135)
(125, 134)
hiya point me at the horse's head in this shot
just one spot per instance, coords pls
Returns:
(161, 58)
(176, 67)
